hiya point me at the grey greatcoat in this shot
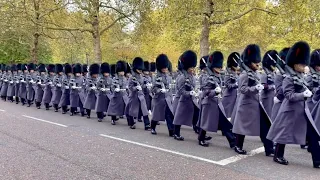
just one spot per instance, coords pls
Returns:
(230, 93)
(57, 89)
(313, 86)
(76, 95)
(161, 100)
(268, 93)
(249, 113)
(290, 125)
(11, 85)
(90, 102)
(31, 80)
(103, 94)
(186, 104)
(316, 110)
(279, 94)
(47, 95)
(40, 83)
(136, 99)
(5, 84)
(65, 95)
(23, 87)
(118, 100)
(212, 115)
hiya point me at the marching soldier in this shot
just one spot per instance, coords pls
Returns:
(231, 82)
(294, 122)
(137, 106)
(212, 116)
(187, 111)
(17, 83)
(65, 95)
(279, 96)
(103, 87)
(5, 82)
(147, 84)
(152, 73)
(90, 102)
(57, 87)
(31, 77)
(47, 95)
(267, 80)
(76, 92)
(119, 99)
(250, 118)
(23, 84)
(162, 97)
(40, 84)
(312, 78)
(12, 81)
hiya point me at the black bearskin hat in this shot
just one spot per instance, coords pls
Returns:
(251, 54)
(215, 60)
(138, 64)
(128, 68)
(153, 67)
(170, 66)
(162, 61)
(315, 58)
(146, 65)
(3, 67)
(67, 68)
(42, 68)
(188, 59)
(94, 69)
(283, 54)
(59, 68)
(299, 53)
(84, 68)
(19, 67)
(31, 66)
(51, 68)
(267, 62)
(121, 66)
(13, 67)
(24, 67)
(202, 64)
(105, 68)
(233, 60)
(8, 68)
(113, 69)
(77, 68)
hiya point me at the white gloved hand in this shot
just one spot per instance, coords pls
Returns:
(39, 83)
(272, 87)
(139, 88)
(236, 83)
(11, 82)
(163, 90)
(193, 93)
(66, 87)
(50, 83)
(117, 90)
(73, 87)
(218, 90)
(93, 88)
(276, 100)
(32, 81)
(149, 85)
(307, 93)
(259, 87)
(59, 85)
(17, 81)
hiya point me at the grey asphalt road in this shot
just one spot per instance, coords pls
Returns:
(40, 144)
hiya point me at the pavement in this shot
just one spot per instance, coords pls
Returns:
(40, 144)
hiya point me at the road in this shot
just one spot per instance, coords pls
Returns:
(40, 144)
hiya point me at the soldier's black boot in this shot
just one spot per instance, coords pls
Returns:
(153, 127)
(177, 135)
(171, 133)
(47, 106)
(201, 138)
(113, 120)
(56, 107)
(64, 109)
(29, 103)
(38, 105)
(279, 153)
(72, 110)
(100, 116)
(17, 100)
(231, 138)
(23, 101)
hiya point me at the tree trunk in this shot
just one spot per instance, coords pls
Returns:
(204, 38)
(35, 47)
(96, 32)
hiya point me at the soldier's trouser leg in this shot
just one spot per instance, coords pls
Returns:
(130, 120)
(169, 120)
(88, 111)
(154, 124)
(56, 107)
(100, 115)
(177, 129)
(114, 118)
(81, 108)
(314, 148)
(17, 99)
(240, 140)
(195, 120)
(23, 101)
(264, 129)
(29, 102)
(279, 151)
(202, 135)
(64, 109)
(47, 106)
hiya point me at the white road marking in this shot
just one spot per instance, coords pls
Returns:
(44, 121)
(2, 110)
(221, 162)
(240, 157)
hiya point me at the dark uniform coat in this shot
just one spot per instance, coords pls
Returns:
(118, 100)
(230, 93)
(103, 97)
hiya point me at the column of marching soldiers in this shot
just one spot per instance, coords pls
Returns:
(279, 103)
